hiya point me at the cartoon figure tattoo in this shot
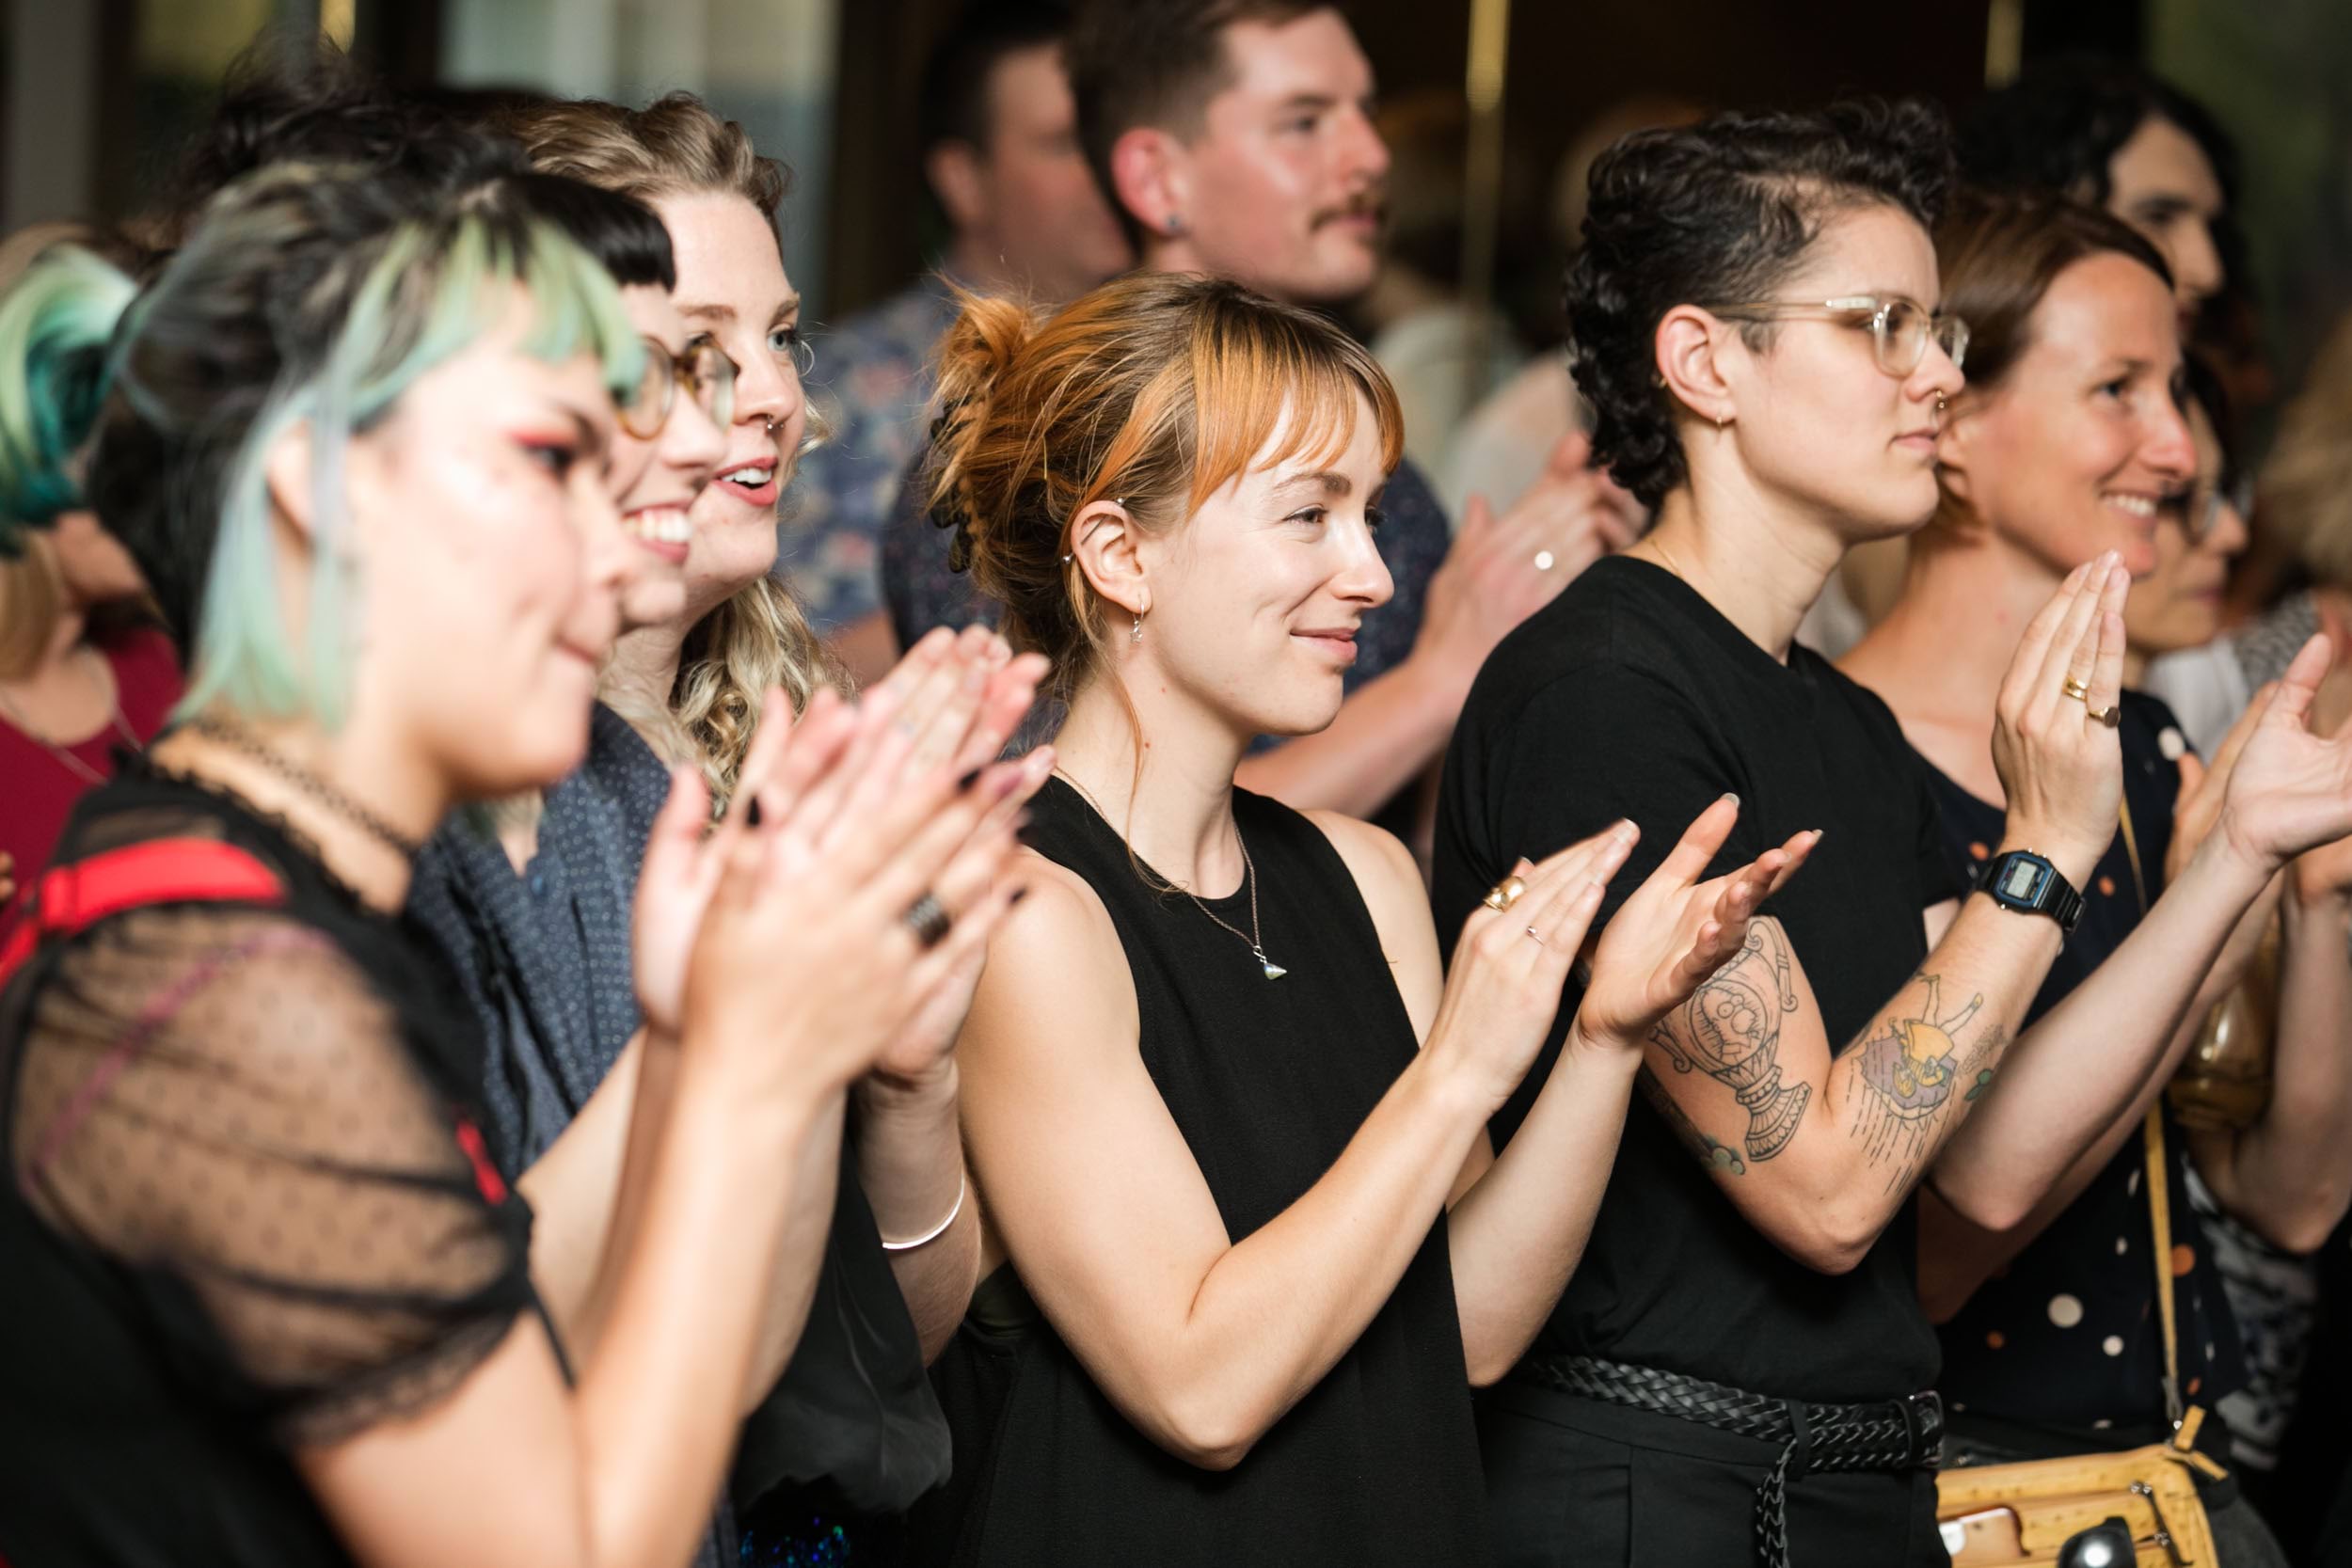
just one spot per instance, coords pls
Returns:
(1910, 1067)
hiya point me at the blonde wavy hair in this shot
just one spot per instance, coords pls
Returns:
(2307, 483)
(759, 637)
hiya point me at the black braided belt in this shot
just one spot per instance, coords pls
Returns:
(1895, 1434)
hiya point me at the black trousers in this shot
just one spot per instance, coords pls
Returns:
(1577, 1484)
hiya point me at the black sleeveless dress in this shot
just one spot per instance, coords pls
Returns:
(1268, 1081)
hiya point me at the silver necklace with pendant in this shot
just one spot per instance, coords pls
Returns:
(1250, 880)
(1249, 877)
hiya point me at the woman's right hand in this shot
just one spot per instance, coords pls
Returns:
(2061, 770)
(1510, 965)
(805, 966)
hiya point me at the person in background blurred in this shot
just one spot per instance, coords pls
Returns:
(83, 669)
(2106, 134)
(2069, 443)
(1441, 357)
(2271, 1291)
(1503, 443)
(1237, 138)
(2305, 497)
(998, 138)
(2109, 134)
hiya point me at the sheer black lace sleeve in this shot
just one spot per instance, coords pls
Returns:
(225, 1108)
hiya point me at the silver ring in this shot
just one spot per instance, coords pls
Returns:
(928, 919)
(1544, 560)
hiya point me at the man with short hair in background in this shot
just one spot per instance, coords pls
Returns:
(999, 138)
(1235, 138)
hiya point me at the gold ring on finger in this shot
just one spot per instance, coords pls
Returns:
(1504, 893)
(2076, 689)
(2110, 717)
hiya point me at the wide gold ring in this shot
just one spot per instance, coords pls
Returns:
(2075, 690)
(1504, 893)
(2110, 717)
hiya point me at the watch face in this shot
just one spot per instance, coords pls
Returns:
(2021, 879)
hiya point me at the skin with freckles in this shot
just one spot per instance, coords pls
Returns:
(654, 482)
(1249, 609)
(480, 508)
(731, 284)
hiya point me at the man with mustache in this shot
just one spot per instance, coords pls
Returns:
(1234, 139)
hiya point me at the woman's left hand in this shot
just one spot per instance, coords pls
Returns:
(1674, 930)
(2291, 790)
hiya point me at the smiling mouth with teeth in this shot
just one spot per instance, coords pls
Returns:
(750, 478)
(662, 526)
(2138, 506)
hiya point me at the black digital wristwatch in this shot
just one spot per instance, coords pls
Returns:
(2023, 882)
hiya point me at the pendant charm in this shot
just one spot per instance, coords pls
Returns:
(1273, 969)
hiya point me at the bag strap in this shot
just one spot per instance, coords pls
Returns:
(2159, 1188)
(68, 899)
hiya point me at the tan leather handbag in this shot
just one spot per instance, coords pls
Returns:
(2023, 1512)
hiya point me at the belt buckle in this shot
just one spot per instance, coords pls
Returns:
(1923, 1417)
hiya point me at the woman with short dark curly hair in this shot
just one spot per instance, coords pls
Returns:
(1737, 1370)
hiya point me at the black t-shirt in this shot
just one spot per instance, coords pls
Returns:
(2066, 1337)
(247, 1204)
(1630, 696)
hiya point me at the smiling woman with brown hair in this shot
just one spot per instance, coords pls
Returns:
(2070, 445)
(1248, 1249)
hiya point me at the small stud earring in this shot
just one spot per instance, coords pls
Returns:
(1722, 420)
(1175, 226)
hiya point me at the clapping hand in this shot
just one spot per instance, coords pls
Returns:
(2290, 789)
(1502, 569)
(1676, 931)
(812, 956)
(2055, 743)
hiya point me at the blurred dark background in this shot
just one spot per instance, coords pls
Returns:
(97, 95)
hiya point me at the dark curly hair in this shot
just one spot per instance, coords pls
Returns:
(2059, 125)
(1717, 213)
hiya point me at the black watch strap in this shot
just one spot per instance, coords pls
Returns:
(2028, 883)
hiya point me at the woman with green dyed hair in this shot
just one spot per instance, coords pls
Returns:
(268, 1293)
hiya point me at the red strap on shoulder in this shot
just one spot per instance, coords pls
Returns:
(71, 899)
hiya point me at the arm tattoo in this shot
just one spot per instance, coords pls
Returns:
(1731, 1026)
(1714, 1156)
(1912, 1066)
